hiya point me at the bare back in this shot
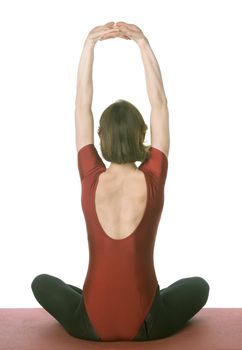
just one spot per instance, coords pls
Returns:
(120, 202)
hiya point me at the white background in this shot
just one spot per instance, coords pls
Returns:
(42, 227)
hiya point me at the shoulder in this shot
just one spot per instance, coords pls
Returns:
(156, 163)
(89, 161)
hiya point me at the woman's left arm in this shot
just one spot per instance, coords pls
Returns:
(83, 104)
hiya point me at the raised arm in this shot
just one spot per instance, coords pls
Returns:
(159, 118)
(84, 123)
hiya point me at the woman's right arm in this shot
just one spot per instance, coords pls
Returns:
(159, 119)
(159, 116)
(154, 83)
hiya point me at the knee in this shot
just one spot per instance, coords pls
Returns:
(38, 282)
(202, 288)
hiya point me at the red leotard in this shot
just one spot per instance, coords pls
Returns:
(120, 284)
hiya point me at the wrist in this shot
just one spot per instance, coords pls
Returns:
(143, 42)
(89, 43)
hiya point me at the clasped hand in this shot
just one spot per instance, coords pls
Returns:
(112, 30)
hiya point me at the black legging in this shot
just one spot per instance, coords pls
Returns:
(171, 309)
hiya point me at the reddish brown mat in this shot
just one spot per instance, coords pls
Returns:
(35, 329)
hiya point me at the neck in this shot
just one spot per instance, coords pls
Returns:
(126, 167)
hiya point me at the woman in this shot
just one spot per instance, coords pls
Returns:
(122, 204)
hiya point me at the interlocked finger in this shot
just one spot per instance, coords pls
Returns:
(98, 34)
(110, 33)
(125, 31)
(109, 24)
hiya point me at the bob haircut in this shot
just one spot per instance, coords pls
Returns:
(122, 131)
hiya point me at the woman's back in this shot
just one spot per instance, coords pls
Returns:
(120, 201)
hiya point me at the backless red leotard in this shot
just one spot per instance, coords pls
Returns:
(121, 282)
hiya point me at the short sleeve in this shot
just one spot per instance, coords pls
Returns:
(157, 163)
(89, 161)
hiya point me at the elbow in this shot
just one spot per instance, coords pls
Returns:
(159, 101)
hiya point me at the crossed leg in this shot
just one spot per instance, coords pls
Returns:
(65, 303)
(179, 302)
